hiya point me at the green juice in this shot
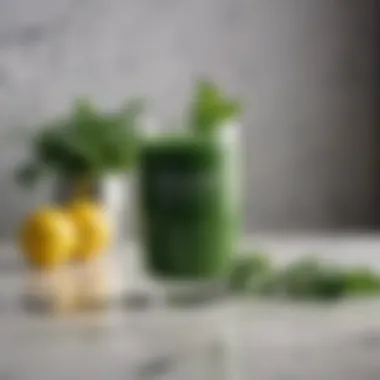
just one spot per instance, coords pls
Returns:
(187, 227)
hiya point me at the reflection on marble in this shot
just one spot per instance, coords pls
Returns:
(231, 340)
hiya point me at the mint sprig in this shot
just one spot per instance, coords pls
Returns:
(210, 107)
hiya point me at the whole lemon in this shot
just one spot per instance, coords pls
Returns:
(48, 238)
(93, 228)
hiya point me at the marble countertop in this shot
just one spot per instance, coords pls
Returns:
(234, 339)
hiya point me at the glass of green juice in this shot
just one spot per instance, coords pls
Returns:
(188, 232)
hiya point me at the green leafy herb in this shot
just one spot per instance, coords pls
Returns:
(362, 280)
(304, 279)
(210, 107)
(309, 278)
(87, 142)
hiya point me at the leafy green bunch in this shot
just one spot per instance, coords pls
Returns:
(304, 279)
(86, 143)
(210, 107)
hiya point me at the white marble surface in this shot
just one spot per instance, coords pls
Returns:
(240, 339)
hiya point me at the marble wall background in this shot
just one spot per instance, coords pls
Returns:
(305, 68)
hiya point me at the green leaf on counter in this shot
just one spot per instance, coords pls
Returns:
(247, 270)
(307, 278)
(361, 280)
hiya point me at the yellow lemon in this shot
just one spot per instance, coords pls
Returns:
(48, 238)
(93, 228)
